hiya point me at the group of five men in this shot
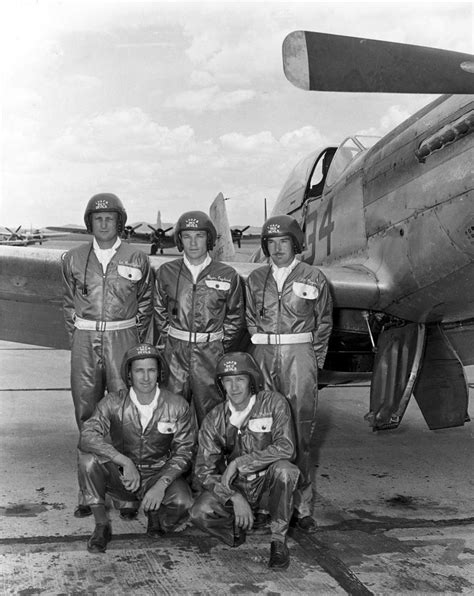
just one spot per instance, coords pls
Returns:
(165, 346)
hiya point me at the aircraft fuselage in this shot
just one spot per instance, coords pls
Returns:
(408, 222)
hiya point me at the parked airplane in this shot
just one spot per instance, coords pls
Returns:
(138, 232)
(390, 223)
(23, 237)
(240, 233)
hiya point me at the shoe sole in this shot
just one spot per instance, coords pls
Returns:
(96, 551)
(80, 515)
(279, 567)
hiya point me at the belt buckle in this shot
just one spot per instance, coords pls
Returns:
(100, 325)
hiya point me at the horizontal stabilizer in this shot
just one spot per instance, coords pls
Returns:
(324, 62)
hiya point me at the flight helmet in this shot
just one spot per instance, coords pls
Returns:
(282, 225)
(239, 363)
(105, 201)
(195, 220)
(140, 352)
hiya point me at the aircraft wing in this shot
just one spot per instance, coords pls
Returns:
(31, 295)
(68, 229)
(352, 287)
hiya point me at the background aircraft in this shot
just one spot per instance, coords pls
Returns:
(24, 237)
(240, 233)
(389, 222)
(139, 232)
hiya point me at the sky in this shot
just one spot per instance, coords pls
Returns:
(166, 104)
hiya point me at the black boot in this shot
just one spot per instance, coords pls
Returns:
(279, 555)
(101, 536)
(82, 511)
(154, 529)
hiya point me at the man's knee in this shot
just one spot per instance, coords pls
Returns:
(285, 472)
(87, 463)
(183, 498)
(201, 510)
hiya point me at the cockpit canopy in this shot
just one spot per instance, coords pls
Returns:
(348, 150)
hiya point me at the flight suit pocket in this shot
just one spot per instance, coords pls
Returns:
(261, 425)
(129, 272)
(305, 291)
(166, 427)
(217, 284)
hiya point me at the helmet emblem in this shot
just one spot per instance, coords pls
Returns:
(102, 204)
(143, 350)
(274, 228)
(192, 222)
(230, 366)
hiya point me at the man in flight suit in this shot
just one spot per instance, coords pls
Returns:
(107, 307)
(246, 445)
(136, 447)
(289, 319)
(199, 312)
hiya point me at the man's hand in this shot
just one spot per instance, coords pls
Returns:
(130, 476)
(242, 511)
(154, 497)
(229, 474)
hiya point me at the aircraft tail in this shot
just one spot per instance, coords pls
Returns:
(158, 220)
(224, 249)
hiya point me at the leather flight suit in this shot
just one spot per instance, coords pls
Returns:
(124, 292)
(212, 305)
(163, 451)
(304, 306)
(263, 449)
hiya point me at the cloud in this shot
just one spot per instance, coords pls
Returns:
(262, 142)
(211, 99)
(202, 78)
(122, 134)
(394, 116)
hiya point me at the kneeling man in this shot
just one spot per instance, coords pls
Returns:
(246, 445)
(136, 447)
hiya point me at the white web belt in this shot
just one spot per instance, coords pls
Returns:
(194, 337)
(88, 325)
(281, 338)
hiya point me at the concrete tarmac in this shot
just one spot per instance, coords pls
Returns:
(395, 509)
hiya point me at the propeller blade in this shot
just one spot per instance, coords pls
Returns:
(167, 230)
(243, 229)
(151, 227)
(324, 62)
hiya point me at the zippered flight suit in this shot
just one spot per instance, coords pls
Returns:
(290, 332)
(263, 449)
(162, 451)
(197, 322)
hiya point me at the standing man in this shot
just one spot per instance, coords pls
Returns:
(107, 307)
(199, 312)
(289, 319)
(246, 445)
(136, 447)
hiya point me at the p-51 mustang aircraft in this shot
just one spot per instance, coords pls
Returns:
(390, 222)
